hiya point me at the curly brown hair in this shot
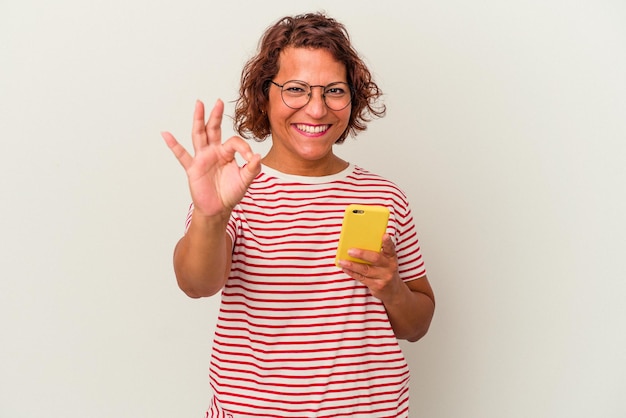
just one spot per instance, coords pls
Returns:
(311, 30)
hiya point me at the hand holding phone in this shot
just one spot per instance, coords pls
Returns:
(363, 227)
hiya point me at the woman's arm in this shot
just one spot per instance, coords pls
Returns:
(410, 306)
(202, 257)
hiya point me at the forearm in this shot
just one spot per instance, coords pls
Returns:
(202, 257)
(410, 312)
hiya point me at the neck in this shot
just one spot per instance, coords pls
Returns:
(318, 168)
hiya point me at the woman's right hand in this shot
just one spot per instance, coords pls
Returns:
(216, 181)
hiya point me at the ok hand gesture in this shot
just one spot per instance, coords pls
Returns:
(216, 181)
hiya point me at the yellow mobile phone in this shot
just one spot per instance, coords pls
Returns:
(363, 227)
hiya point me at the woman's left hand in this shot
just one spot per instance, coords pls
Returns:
(381, 276)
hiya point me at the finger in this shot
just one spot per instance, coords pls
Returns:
(238, 145)
(388, 248)
(357, 271)
(213, 127)
(198, 131)
(252, 169)
(178, 150)
(365, 255)
(355, 267)
(365, 270)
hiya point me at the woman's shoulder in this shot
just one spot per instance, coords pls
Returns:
(364, 174)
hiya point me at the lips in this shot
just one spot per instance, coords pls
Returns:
(312, 129)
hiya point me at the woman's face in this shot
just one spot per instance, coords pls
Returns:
(304, 137)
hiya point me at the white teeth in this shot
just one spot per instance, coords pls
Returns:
(312, 129)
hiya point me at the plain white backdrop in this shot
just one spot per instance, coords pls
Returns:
(506, 127)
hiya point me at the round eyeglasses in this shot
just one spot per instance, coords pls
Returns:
(296, 94)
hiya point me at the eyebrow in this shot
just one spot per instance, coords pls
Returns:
(314, 85)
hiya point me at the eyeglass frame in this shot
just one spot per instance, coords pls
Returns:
(311, 91)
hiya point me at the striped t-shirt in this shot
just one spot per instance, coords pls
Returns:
(295, 336)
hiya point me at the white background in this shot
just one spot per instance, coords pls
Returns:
(506, 127)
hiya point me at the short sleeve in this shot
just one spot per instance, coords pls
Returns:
(410, 261)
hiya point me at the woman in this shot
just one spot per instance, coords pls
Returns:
(296, 336)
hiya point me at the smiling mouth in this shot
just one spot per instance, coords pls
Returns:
(310, 129)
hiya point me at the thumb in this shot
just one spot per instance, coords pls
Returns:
(388, 248)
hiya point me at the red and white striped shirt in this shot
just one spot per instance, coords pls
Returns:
(295, 336)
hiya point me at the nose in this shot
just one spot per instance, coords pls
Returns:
(317, 106)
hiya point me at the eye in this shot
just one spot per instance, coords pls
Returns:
(295, 89)
(336, 90)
